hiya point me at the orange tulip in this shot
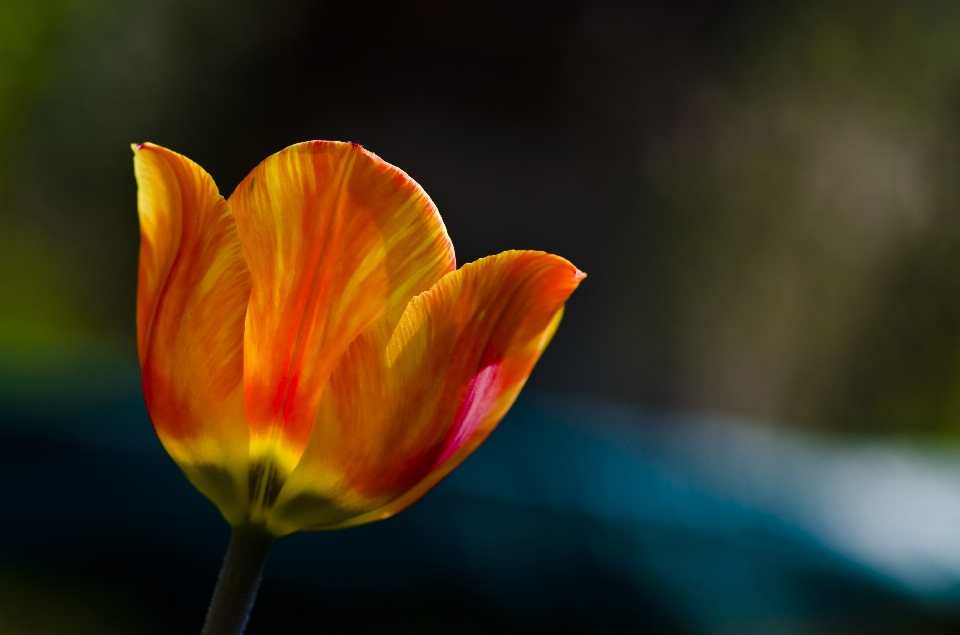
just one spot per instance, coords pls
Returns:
(311, 356)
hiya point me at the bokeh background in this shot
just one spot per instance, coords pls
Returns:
(766, 198)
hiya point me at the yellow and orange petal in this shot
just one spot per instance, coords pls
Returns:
(407, 403)
(191, 301)
(335, 239)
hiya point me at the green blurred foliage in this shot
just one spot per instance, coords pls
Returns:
(27, 29)
(45, 342)
(815, 169)
(81, 80)
(32, 605)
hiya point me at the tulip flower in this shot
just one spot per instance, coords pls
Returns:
(311, 356)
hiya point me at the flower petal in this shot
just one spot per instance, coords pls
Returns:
(191, 301)
(335, 239)
(407, 404)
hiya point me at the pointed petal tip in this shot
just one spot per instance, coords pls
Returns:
(135, 147)
(577, 275)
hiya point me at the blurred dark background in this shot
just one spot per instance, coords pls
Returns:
(764, 195)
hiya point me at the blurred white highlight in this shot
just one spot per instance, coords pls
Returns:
(892, 507)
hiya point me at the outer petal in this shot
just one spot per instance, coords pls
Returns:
(335, 239)
(191, 301)
(407, 405)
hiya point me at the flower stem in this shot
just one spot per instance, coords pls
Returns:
(239, 580)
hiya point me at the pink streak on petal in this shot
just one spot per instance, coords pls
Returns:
(478, 402)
